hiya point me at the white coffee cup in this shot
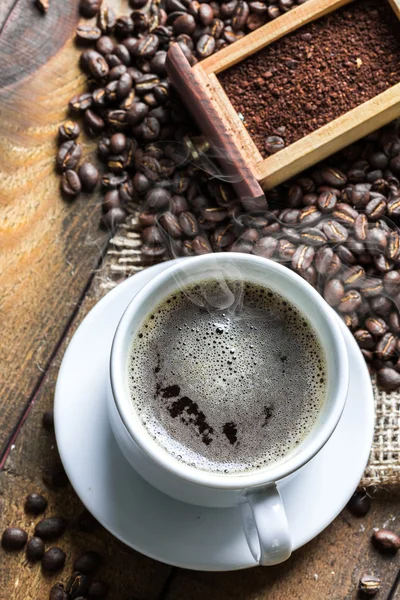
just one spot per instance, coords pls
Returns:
(263, 513)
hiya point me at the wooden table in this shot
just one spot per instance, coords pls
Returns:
(50, 253)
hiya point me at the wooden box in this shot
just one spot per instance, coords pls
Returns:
(238, 155)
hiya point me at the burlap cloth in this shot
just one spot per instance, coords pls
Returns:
(124, 258)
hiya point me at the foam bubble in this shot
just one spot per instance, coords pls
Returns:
(228, 391)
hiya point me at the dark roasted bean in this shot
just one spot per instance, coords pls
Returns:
(206, 45)
(372, 286)
(170, 224)
(391, 282)
(335, 232)
(382, 264)
(106, 19)
(188, 224)
(98, 66)
(334, 177)
(388, 379)
(158, 198)
(381, 305)
(394, 322)
(78, 584)
(88, 32)
(303, 257)
(313, 236)
(359, 504)
(353, 276)
(68, 155)
(386, 346)
(386, 540)
(111, 200)
(35, 549)
(105, 45)
(70, 183)
(53, 560)
(350, 302)
(69, 131)
(376, 325)
(113, 218)
(376, 208)
(201, 245)
(369, 585)
(393, 246)
(240, 15)
(309, 216)
(14, 538)
(393, 207)
(50, 528)
(89, 8)
(376, 241)
(333, 291)
(286, 250)
(326, 202)
(94, 122)
(266, 247)
(364, 339)
(323, 260)
(361, 227)
(35, 504)
(152, 236)
(345, 214)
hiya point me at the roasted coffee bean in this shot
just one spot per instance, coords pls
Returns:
(188, 224)
(352, 322)
(81, 102)
(98, 66)
(70, 183)
(118, 143)
(69, 131)
(89, 176)
(335, 232)
(303, 257)
(382, 264)
(68, 155)
(117, 118)
(376, 325)
(388, 379)
(94, 122)
(333, 291)
(89, 8)
(14, 538)
(157, 198)
(124, 26)
(350, 302)
(55, 476)
(88, 32)
(152, 236)
(205, 46)
(149, 129)
(386, 540)
(323, 260)
(78, 584)
(147, 46)
(313, 236)
(112, 181)
(327, 202)
(391, 282)
(35, 549)
(57, 592)
(137, 113)
(364, 339)
(111, 200)
(372, 286)
(381, 305)
(266, 247)
(53, 560)
(353, 276)
(170, 224)
(150, 167)
(106, 19)
(114, 75)
(240, 15)
(375, 208)
(386, 346)
(376, 241)
(393, 207)
(50, 528)
(361, 227)
(309, 216)
(98, 590)
(359, 504)
(393, 246)
(273, 143)
(394, 322)
(124, 86)
(345, 214)
(286, 250)
(369, 585)
(35, 504)
(105, 45)
(113, 218)
(140, 183)
(334, 177)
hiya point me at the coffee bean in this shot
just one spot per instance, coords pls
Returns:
(240, 15)
(393, 246)
(53, 560)
(333, 292)
(364, 339)
(381, 305)
(188, 224)
(89, 8)
(55, 476)
(391, 283)
(50, 528)
(274, 144)
(206, 45)
(35, 549)
(303, 257)
(57, 592)
(157, 198)
(98, 589)
(113, 218)
(361, 227)
(68, 155)
(88, 563)
(170, 224)
(266, 247)
(88, 32)
(35, 504)
(327, 202)
(386, 346)
(98, 66)
(313, 236)
(376, 241)
(372, 286)
(335, 232)
(393, 208)
(14, 538)
(386, 540)
(350, 302)
(345, 214)
(89, 176)
(376, 325)
(69, 130)
(111, 200)
(105, 45)
(201, 245)
(388, 379)
(359, 504)
(309, 216)
(333, 177)
(375, 208)
(70, 183)
(78, 584)
(369, 585)
(394, 322)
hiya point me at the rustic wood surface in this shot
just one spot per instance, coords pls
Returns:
(48, 252)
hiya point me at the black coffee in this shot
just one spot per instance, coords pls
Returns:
(229, 389)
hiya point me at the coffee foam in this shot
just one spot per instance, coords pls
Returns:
(227, 391)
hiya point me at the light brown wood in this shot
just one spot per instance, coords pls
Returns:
(327, 140)
(130, 574)
(328, 568)
(395, 4)
(272, 31)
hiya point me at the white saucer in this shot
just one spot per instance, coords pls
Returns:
(156, 525)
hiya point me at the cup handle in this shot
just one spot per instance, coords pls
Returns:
(266, 527)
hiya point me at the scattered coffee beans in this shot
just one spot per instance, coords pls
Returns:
(53, 560)
(386, 540)
(369, 585)
(359, 504)
(14, 538)
(35, 504)
(50, 528)
(316, 74)
(35, 549)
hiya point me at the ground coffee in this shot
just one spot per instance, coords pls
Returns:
(319, 72)
(227, 389)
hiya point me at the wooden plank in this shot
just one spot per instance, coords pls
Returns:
(130, 574)
(272, 31)
(328, 568)
(331, 138)
(195, 90)
(395, 4)
(48, 247)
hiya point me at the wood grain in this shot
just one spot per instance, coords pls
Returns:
(196, 94)
(328, 568)
(48, 247)
(130, 574)
(395, 4)
(329, 139)
(272, 31)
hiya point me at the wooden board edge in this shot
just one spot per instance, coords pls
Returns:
(395, 4)
(330, 138)
(195, 91)
(269, 33)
